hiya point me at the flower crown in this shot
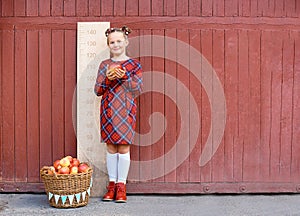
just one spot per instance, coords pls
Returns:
(124, 29)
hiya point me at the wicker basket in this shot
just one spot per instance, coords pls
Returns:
(67, 190)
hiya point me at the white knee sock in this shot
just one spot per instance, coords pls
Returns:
(123, 167)
(112, 166)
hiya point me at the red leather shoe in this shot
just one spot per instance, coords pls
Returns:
(121, 193)
(110, 194)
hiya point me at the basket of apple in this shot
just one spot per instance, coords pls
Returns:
(67, 182)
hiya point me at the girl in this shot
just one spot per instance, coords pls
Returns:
(119, 81)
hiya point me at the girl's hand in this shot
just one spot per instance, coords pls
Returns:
(111, 75)
(120, 72)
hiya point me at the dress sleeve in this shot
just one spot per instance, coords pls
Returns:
(102, 82)
(133, 80)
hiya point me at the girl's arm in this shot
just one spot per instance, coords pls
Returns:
(133, 80)
(102, 82)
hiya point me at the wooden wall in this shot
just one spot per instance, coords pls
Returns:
(252, 44)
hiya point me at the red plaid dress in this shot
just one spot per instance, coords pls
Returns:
(118, 105)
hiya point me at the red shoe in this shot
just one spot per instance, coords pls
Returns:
(121, 193)
(110, 195)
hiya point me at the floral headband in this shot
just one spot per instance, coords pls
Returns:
(124, 29)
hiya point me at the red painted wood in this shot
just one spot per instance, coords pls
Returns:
(57, 94)
(218, 8)
(32, 7)
(120, 7)
(45, 8)
(107, 8)
(69, 91)
(70, 8)
(132, 7)
(290, 6)
(170, 7)
(207, 8)
(45, 102)
(279, 8)
(245, 7)
(144, 7)
(1, 116)
(20, 7)
(8, 132)
(20, 107)
(94, 8)
(82, 8)
(254, 8)
(157, 8)
(57, 7)
(182, 7)
(33, 106)
(8, 8)
(231, 7)
(194, 8)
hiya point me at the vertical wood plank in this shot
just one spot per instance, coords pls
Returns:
(262, 7)
(207, 8)
(57, 7)
(183, 149)
(279, 8)
(218, 8)
(144, 7)
(7, 8)
(94, 8)
(107, 8)
(252, 160)
(20, 106)
(254, 11)
(1, 116)
(132, 7)
(231, 7)
(222, 159)
(20, 7)
(120, 7)
(245, 6)
(45, 8)
(57, 56)
(8, 132)
(157, 8)
(158, 101)
(231, 90)
(194, 8)
(33, 106)
(32, 7)
(82, 8)
(290, 6)
(170, 105)
(287, 108)
(182, 7)
(45, 88)
(207, 52)
(69, 8)
(169, 7)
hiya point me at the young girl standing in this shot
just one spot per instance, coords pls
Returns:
(119, 81)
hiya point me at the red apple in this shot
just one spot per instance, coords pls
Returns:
(56, 164)
(83, 168)
(64, 170)
(75, 162)
(70, 158)
(74, 170)
(51, 170)
(64, 162)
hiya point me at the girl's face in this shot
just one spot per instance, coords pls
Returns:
(117, 43)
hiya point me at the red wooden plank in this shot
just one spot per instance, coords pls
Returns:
(70, 8)
(82, 8)
(158, 103)
(45, 8)
(170, 105)
(182, 101)
(132, 7)
(32, 106)
(207, 52)
(19, 7)
(231, 7)
(290, 6)
(57, 63)
(8, 106)
(276, 93)
(32, 7)
(157, 8)
(145, 108)
(220, 166)
(182, 7)
(8, 8)
(287, 108)
(20, 106)
(245, 6)
(265, 85)
(170, 7)
(45, 98)
(297, 9)
(194, 8)
(218, 8)
(262, 7)
(279, 8)
(207, 8)
(196, 91)
(1, 116)
(144, 7)
(231, 93)
(94, 8)
(119, 7)
(243, 149)
(252, 150)
(57, 8)
(254, 11)
(107, 8)
(295, 162)
(70, 84)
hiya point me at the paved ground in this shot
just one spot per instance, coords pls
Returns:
(233, 205)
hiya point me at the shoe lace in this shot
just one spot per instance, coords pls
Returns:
(120, 189)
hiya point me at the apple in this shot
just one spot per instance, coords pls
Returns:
(65, 162)
(75, 162)
(64, 170)
(74, 170)
(56, 164)
(51, 170)
(83, 168)
(70, 158)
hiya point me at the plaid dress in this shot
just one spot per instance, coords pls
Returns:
(118, 105)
